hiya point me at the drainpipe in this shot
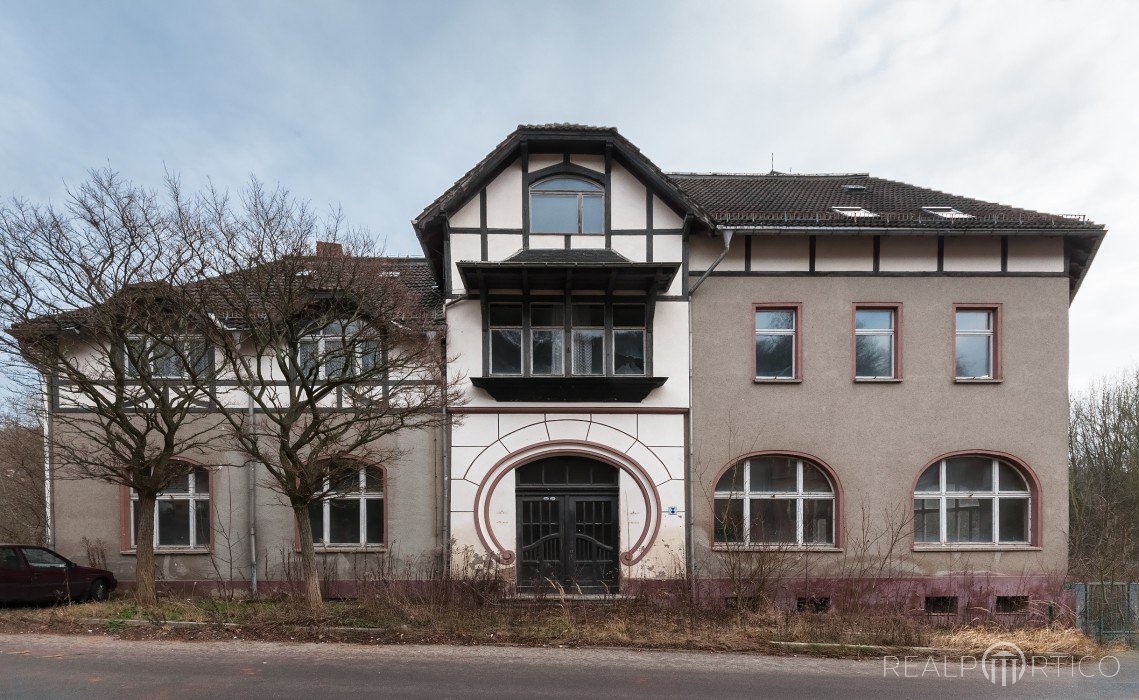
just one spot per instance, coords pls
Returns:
(251, 471)
(49, 454)
(723, 254)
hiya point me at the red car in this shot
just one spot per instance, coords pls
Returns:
(36, 574)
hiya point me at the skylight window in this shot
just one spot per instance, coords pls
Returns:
(857, 212)
(947, 212)
(854, 188)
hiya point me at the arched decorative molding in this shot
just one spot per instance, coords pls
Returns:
(839, 501)
(1036, 502)
(484, 529)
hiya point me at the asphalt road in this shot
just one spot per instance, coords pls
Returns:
(45, 666)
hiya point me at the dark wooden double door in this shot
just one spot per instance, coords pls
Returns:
(567, 529)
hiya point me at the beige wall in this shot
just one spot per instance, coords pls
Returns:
(878, 436)
(91, 508)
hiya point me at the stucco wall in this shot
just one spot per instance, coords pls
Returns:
(877, 437)
(91, 508)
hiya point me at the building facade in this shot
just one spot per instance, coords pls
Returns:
(665, 372)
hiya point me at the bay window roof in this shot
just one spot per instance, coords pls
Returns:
(598, 269)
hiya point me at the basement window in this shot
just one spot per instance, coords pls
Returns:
(947, 213)
(941, 605)
(1011, 604)
(854, 212)
(813, 604)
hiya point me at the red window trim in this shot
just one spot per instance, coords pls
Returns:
(896, 307)
(379, 547)
(125, 545)
(797, 375)
(998, 341)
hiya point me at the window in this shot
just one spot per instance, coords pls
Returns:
(876, 342)
(941, 605)
(338, 350)
(181, 515)
(353, 512)
(167, 361)
(812, 604)
(607, 339)
(1011, 604)
(776, 341)
(975, 350)
(947, 212)
(10, 558)
(43, 559)
(775, 500)
(855, 212)
(505, 321)
(567, 205)
(972, 499)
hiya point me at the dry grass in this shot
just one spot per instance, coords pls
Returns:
(641, 622)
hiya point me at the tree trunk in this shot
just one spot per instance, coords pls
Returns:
(313, 597)
(144, 588)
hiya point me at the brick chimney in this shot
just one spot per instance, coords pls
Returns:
(329, 250)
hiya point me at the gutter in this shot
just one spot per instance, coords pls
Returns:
(49, 459)
(916, 230)
(723, 254)
(251, 471)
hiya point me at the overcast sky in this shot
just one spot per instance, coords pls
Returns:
(379, 107)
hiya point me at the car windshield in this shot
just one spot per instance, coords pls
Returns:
(43, 559)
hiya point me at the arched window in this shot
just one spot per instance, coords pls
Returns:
(567, 205)
(972, 499)
(775, 500)
(353, 512)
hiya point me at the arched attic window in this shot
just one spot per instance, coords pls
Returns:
(562, 204)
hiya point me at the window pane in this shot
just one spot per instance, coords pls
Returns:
(546, 315)
(969, 519)
(628, 352)
(818, 521)
(174, 523)
(316, 521)
(773, 474)
(504, 315)
(773, 520)
(1014, 520)
(202, 523)
(345, 481)
(199, 354)
(546, 351)
(335, 363)
(374, 514)
(571, 184)
(179, 485)
(201, 481)
(588, 315)
(10, 559)
(814, 481)
(968, 474)
(930, 479)
(592, 214)
(1010, 478)
(927, 520)
(373, 480)
(307, 357)
(729, 520)
(874, 355)
(629, 316)
(874, 319)
(553, 213)
(344, 521)
(774, 356)
(974, 320)
(733, 479)
(973, 357)
(774, 319)
(505, 352)
(43, 559)
(589, 352)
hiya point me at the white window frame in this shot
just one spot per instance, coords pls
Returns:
(890, 332)
(991, 334)
(798, 495)
(578, 195)
(193, 497)
(185, 342)
(321, 340)
(793, 331)
(363, 495)
(995, 495)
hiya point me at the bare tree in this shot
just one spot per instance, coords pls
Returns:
(24, 515)
(91, 295)
(327, 356)
(1104, 481)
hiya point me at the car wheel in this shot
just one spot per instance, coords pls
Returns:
(99, 590)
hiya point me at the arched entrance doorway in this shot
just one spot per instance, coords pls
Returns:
(567, 525)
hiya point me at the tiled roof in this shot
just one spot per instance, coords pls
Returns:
(540, 255)
(806, 200)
